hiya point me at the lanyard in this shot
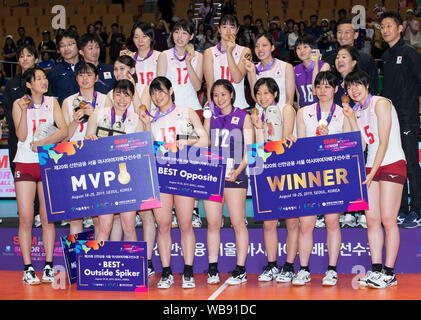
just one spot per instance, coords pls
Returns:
(259, 68)
(32, 106)
(136, 59)
(93, 103)
(365, 105)
(158, 113)
(175, 55)
(123, 118)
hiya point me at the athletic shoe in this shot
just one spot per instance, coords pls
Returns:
(139, 222)
(413, 220)
(30, 277)
(1, 220)
(196, 221)
(320, 222)
(401, 217)
(88, 222)
(269, 274)
(174, 222)
(380, 280)
(237, 277)
(166, 282)
(362, 221)
(37, 221)
(301, 278)
(48, 275)
(363, 281)
(285, 276)
(188, 282)
(151, 271)
(213, 278)
(64, 223)
(331, 278)
(349, 221)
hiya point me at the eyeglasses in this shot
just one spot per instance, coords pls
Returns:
(67, 45)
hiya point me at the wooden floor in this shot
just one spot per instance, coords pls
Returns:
(409, 288)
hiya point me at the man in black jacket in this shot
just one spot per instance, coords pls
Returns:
(346, 35)
(402, 80)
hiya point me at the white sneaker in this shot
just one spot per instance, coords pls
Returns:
(30, 277)
(284, 276)
(363, 281)
(213, 279)
(320, 222)
(331, 278)
(188, 282)
(237, 277)
(151, 271)
(380, 280)
(196, 221)
(301, 278)
(362, 221)
(349, 221)
(64, 223)
(48, 275)
(88, 222)
(174, 222)
(269, 274)
(165, 282)
(37, 221)
(139, 222)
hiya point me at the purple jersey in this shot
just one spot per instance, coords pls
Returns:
(227, 136)
(303, 83)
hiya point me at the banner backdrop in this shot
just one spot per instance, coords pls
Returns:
(89, 178)
(190, 171)
(7, 183)
(316, 175)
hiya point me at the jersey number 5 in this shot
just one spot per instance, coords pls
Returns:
(369, 135)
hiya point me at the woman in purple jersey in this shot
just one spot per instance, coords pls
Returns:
(230, 130)
(307, 70)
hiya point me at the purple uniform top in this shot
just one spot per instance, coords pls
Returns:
(303, 83)
(227, 136)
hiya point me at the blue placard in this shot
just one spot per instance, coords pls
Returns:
(112, 265)
(317, 175)
(190, 171)
(90, 178)
(68, 244)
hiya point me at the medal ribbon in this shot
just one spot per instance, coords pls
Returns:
(329, 116)
(136, 59)
(267, 67)
(123, 118)
(158, 113)
(175, 55)
(32, 106)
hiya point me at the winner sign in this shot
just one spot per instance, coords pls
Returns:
(317, 175)
(90, 178)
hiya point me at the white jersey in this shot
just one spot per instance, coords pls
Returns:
(110, 95)
(130, 123)
(146, 71)
(80, 131)
(36, 115)
(177, 73)
(175, 123)
(221, 71)
(367, 122)
(277, 73)
(310, 120)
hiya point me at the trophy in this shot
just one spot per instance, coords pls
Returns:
(105, 129)
(44, 130)
(78, 103)
(272, 124)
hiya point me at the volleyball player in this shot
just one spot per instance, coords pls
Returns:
(28, 112)
(230, 130)
(118, 117)
(176, 124)
(377, 120)
(276, 123)
(321, 118)
(225, 60)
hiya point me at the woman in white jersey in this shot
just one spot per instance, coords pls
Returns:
(270, 67)
(320, 118)
(224, 61)
(282, 116)
(377, 120)
(145, 57)
(183, 66)
(117, 117)
(172, 123)
(77, 109)
(28, 112)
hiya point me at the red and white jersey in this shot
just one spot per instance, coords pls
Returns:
(80, 131)
(175, 123)
(221, 71)
(177, 73)
(277, 73)
(36, 115)
(146, 71)
(311, 123)
(367, 122)
(110, 95)
(130, 123)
